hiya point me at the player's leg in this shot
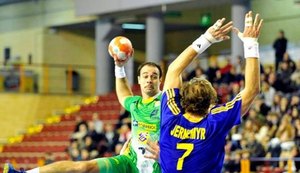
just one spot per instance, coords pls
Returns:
(60, 167)
(117, 164)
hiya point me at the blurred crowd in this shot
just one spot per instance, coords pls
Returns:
(94, 138)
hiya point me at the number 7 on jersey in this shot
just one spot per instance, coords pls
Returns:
(183, 146)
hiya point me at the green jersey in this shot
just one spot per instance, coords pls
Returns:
(145, 125)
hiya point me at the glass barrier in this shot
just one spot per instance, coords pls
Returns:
(48, 79)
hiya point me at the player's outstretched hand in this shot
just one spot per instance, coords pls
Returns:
(154, 149)
(218, 32)
(251, 28)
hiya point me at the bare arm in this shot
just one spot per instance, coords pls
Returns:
(215, 33)
(252, 83)
(123, 89)
(252, 68)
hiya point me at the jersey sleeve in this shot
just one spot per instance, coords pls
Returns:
(128, 101)
(170, 104)
(227, 115)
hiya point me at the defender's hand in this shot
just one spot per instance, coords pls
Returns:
(251, 28)
(217, 32)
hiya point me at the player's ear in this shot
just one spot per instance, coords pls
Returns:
(160, 80)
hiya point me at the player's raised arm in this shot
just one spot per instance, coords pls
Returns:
(251, 52)
(216, 33)
(121, 50)
(122, 85)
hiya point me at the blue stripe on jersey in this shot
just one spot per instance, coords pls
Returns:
(196, 147)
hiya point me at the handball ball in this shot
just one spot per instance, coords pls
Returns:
(121, 47)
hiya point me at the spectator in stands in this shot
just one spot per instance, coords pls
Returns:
(84, 155)
(212, 70)
(297, 131)
(98, 124)
(284, 105)
(294, 113)
(78, 136)
(256, 117)
(290, 63)
(226, 69)
(295, 101)
(275, 82)
(111, 136)
(268, 93)
(285, 134)
(295, 77)
(276, 102)
(197, 72)
(256, 150)
(79, 122)
(125, 133)
(124, 117)
(295, 153)
(75, 155)
(232, 76)
(96, 137)
(260, 106)
(284, 75)
(280, 46)
(272, 121)
(89, 144)
(235, 89)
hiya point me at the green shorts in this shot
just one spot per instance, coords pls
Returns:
(116, 164)
(121, 164)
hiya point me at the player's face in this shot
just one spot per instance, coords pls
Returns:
(149, 80)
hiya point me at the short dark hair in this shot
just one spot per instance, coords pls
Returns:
(197, 96)
(149, 64)
(281, 32)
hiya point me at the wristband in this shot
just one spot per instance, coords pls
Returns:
(251, 48)
(120, 72)
(200, 44)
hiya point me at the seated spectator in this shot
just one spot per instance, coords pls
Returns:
(98, 124)
(297, 131)
(197, 72)
(112, 137)
(276, 102)
(276, 82)
(78, 136)
(211, 71)
(79, 121)
(268, 93)
(290, 63)
(284, 106)
(84, 155)
(295, 77)
(284, 76)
